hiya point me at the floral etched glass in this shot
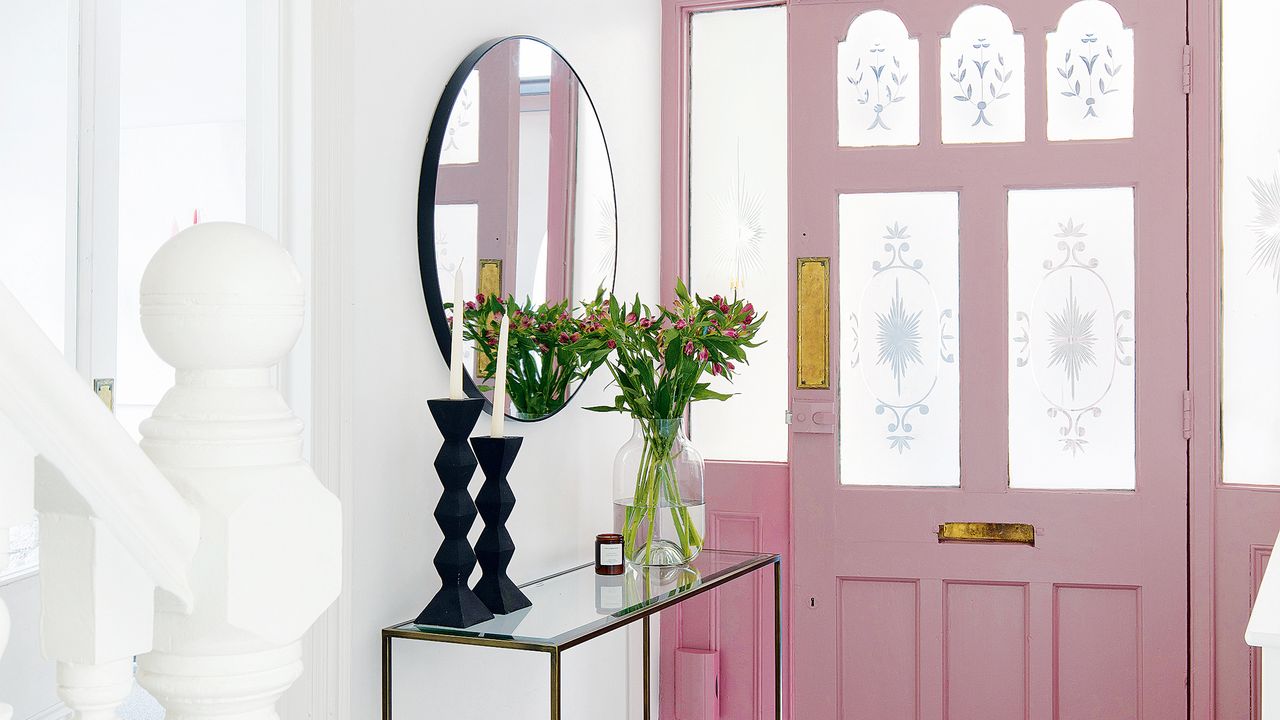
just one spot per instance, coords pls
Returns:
(899, 339)
(658, 500)
(983, 89)
(878, 82)
(1090, 74)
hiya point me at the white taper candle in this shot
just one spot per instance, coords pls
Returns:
(455, 351)
(500, 384)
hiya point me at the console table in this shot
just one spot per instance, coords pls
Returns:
(576, 605)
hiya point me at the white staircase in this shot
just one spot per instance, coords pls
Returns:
(207, 552)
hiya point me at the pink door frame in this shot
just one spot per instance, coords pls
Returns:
(748, 504)
(562, 180)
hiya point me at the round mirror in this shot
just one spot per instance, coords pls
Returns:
(517, 194)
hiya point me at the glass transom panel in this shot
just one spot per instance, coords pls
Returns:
(878, 82)
(983, 88)
(899, 379)
(462, 134)
(1071, 339)
(1090, 74)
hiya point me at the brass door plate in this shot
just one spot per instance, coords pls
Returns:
(105, 389)
(813, 323)
(488, 282)
(982, 532)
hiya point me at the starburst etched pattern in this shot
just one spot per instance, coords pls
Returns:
(1266, 226)
(898, 337)
(1071, 338)
(742, 215)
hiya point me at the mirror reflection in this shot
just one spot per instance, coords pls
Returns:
(524, 206)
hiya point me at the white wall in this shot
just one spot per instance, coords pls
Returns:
(403, 53)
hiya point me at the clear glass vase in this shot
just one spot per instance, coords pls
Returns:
(658, 501)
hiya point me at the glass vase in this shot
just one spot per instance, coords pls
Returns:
(658, 501)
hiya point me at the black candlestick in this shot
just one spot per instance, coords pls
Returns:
(495, 546)
(455, 605)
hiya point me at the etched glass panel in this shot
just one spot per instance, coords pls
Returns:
(1071, 339)
(1090, 74)
(738, 215)
(983, 95)
(878, 82)
(462, 134)
(1250, 244)
(899, 374)
(596, 223)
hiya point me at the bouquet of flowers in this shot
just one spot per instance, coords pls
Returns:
(543, 366)
(661, 360)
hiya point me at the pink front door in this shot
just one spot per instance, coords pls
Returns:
(1008, 304)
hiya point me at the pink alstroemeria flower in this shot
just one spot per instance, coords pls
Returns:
(613, 344)
(704, 355)
(688, 348)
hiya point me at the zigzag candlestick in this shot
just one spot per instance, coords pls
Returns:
(455, 605)
(495, 546)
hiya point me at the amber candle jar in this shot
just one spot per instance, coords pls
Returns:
(609, 560)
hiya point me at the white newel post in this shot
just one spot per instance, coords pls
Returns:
(223, 303)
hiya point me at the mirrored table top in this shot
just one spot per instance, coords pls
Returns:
(577, 605)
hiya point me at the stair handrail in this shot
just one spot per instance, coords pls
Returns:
(62, 420)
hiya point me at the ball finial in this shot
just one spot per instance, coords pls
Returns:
(222, 296)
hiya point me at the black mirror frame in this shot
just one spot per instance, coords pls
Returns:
(427, 180)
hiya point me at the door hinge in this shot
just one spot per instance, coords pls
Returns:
(1188, 414)
(1186, 69)
(787, 417)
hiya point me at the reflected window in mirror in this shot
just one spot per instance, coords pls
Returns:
(528, 212)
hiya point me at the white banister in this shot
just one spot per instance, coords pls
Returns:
(223, 303)
(54, 410)
(16, 501)
(1263, 632)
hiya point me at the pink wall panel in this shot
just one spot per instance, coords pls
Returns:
(986, 651)
(1260, 556)
(741, 614)
(877, 630)
(747, 509)
(1096, 634)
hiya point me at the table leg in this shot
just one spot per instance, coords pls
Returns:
(777, 638)
(386, 677)
(555, 685)
(648, 689)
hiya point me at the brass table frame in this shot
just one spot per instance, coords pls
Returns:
(554, 649)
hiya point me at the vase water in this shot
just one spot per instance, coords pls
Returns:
(659, 502)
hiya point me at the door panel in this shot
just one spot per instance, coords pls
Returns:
(1091, 621)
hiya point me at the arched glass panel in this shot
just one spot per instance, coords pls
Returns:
(1090, 74)
(878, 79)
(983, 88)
